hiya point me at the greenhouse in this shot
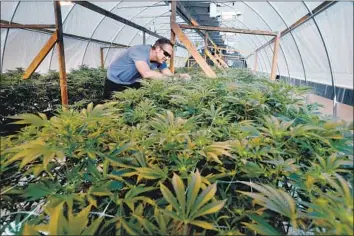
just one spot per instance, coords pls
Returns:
(176, 118)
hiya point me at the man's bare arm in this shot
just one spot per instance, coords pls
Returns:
(167, 72)
(146, 72)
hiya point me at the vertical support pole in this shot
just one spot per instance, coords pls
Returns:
(173, 35)
(205, 45)
(61, 55)
(144, 38)
(102, 57)
(255, 61)
(275, 57)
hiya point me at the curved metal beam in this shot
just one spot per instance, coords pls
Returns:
(7, 33)
(261, 54)
(118, 32)
(146, 24)
(94, 31)
(264, 66)
(52, 53)
(268, 27)
(329, 63)
(297, 47)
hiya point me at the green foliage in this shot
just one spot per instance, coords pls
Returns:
(233, 155)
(41, 92)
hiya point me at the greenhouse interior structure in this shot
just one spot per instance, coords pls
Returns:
(237, 121)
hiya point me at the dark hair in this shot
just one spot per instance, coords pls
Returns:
(162, 41)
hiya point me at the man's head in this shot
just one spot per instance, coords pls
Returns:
(162, 50)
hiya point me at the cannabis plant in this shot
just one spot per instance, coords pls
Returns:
(234, 155)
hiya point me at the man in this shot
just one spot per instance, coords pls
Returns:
(139, 62)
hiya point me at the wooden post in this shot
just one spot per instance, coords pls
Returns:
(27, 26)
(40, 56)
(173, 35)
(228, 29)
(193, 50)
(275, 57)
(102, 57)
(255, 61)
(205, 45)
(61, 55)
(144, 37)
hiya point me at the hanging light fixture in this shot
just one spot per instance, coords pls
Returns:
(66, 3)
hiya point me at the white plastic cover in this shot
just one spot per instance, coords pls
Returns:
(320, 50)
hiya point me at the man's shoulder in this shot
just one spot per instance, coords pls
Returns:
(140, 48)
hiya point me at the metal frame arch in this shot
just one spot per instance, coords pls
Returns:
(329, 63)
(169, 30)
(297, 47)
(94, 31)
(52, 53)
(265, 66)
(246, 41)
(146, 24)
(249, 42)
(7, 33)
(261, 54)
(118, 32)
(281, 48)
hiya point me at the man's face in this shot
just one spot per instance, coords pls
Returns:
(163, 53)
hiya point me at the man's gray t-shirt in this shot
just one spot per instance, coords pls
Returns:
(122, 69)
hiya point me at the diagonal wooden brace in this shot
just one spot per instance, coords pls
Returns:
(208, 53)
(221, 61)
(193, 50)
(41, 55)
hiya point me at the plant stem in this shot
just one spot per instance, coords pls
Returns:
(185, 229)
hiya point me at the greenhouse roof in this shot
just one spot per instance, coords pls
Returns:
(319, 49)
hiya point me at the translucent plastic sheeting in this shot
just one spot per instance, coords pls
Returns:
(7, 10)
(336, 25)
(21, 48)
(313, 53)
(66, 10)
(266, 60)
(265, 11)
(81, 21)
(312, 5)
(289, 11)
(111, 55)
(296, 69)
(108, 5)
(92, 57)
(248, 43)
(283, 65)
(3, 36)
(34, 13)
(107, 29)
(74, 50)
(252, 19)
